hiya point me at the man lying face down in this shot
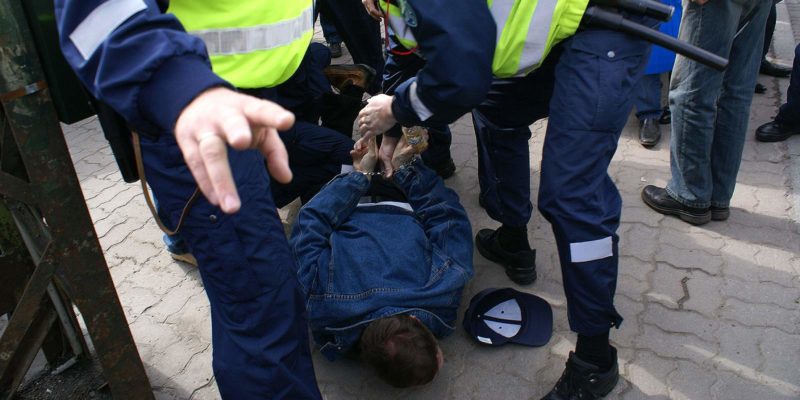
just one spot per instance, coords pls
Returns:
(383, 262)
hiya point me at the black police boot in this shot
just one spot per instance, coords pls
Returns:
(658, 199)
(445, 169)
(776, 132)
(584, 381)
(649, 132)
(336, 50)
(772, 69)
(520, 265)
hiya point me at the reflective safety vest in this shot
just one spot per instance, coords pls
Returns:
(526, 29)
(252, 44)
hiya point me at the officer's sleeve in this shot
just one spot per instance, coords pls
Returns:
(135, 58)
(323, 214)
(443, 217)
(457, 40)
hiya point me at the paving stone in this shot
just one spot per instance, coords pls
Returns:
(731, 386)
(781, 350)
(632, 311)
(680, 322)
(704, 294)
(692, 259)
(676, 346)
(739, 347)
(761, 315)
(686, 290)
(690, 381)
(628, 284)
(197, 373)
(638, 240)
(208, 392)
(647, 376)
(762, 293)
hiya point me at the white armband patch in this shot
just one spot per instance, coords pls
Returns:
(423, 112)
(592, 250)
(100, 23)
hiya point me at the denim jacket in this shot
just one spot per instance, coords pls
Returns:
(359, 263)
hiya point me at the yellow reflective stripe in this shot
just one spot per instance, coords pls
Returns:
(536, 42)
(500, 10)
(398, 24)
(231, 41)
(402, 31)
(511, 42)
(528, 30)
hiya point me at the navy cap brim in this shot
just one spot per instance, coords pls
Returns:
(538, 326)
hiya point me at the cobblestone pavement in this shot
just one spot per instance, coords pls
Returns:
(711, 312)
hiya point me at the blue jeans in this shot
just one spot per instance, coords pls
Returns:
(711, 109)
(648, 97)
(790, 112)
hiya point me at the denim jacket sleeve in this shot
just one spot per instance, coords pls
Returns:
(445, 222)
(320, 217)
(135, 58)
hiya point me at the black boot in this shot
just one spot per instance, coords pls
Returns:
(649, 132)
(776, 132)
(658, 199)
(776, 70)
(584, 381)
(520, 264)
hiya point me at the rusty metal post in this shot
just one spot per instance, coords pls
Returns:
(48, 209)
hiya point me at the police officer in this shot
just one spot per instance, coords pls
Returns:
(582, 80)
(361, 33)
(199, 132)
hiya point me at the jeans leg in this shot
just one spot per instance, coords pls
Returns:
(694, 92)
(790, 112)
(648, 97)
(733, 110)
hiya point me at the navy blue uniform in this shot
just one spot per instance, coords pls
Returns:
(142, 63)
(585, 88)
(360, 33)
(400, 67)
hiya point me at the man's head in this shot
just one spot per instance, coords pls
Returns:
(402, 350)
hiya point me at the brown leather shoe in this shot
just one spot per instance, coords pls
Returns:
(343, 75)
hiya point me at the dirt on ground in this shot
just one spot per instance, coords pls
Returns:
(83, 380)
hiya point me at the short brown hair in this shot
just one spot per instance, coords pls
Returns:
(401, 349)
